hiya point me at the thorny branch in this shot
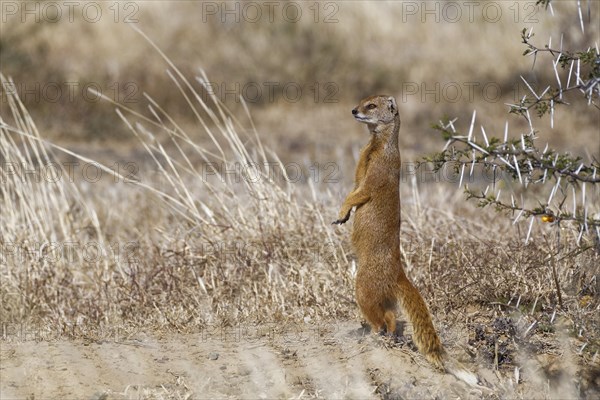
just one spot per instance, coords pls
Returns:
(519, 159)
(584, 66)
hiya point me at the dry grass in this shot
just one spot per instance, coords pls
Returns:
(183, 248)
(216, 252)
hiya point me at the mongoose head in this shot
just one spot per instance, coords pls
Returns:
(376, 110)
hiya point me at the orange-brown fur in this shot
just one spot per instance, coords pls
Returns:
(380, 280)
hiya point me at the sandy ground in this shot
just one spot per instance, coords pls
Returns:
(327, 361)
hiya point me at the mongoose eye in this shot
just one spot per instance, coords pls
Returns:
(371, 106)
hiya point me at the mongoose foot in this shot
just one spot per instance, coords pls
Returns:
(395, 337)
(340, 221)
(399, 339)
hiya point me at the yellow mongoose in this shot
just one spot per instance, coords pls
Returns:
(380, 279)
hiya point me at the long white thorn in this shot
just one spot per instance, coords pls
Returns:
(529, 120)
(545, 175)
(570, 73)
(561, 41)
(472, 125)
(487, 143)
(529, 230)
(529, 87)
(518, 169)
(518, 216)
(506, 162)
(554, 189)
(555, 64)
(462, 173)
(451, 124)
(580, 16)
(472, 144)
(580, 235)
(447, 145)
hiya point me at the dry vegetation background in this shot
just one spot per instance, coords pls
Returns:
(178, 248)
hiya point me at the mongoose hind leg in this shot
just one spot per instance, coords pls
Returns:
(371, 309)
(390, 322)
(374, 316)
(379, 311)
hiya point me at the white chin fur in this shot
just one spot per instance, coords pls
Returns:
(363, 119)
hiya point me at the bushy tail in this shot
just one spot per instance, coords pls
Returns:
(424, 334)
(460, 371)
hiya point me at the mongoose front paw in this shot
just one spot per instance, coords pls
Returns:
(341, 220)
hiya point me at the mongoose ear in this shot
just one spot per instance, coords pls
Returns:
(392, 105)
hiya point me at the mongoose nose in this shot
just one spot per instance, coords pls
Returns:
(354, 111)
